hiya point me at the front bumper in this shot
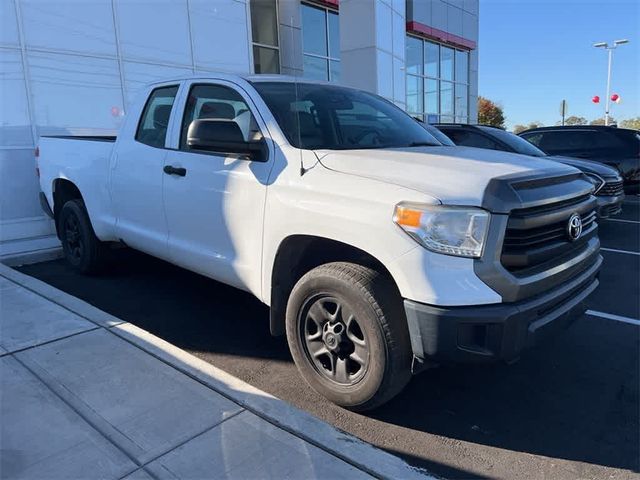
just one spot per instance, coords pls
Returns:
(487, 333)
(609, 205)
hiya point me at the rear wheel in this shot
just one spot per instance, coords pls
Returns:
(348, 336)
(81, 247)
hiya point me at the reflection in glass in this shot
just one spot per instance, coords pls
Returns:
(334, 35)
(414, 95)
(431, 51)
(446, 63)
(315, 68)
(264, 22)
(462, 66)
(431, 96)
(336, 69)
(314, 30)
(414, 55)
(462, 100)
(446, 98)
(266, 60)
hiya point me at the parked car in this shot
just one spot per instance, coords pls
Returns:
(379, 250)
(607, 182)
(616, 147)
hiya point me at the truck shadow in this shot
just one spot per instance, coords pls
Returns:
(573, 398)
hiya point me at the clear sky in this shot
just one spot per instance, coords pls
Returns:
(534, 53)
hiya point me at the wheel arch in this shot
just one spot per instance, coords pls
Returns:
(300, 253)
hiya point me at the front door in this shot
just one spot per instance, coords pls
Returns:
(214, 202)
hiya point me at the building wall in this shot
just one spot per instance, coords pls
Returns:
(71, 67)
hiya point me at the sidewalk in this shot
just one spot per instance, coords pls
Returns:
(86, 395)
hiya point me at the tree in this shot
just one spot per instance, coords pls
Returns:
(490, 113)
(600, 121)
(573, 120)
(633, 123)
(521, 128)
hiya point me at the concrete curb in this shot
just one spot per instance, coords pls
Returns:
(278, 412)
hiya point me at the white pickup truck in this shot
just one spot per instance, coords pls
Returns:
(379, 250)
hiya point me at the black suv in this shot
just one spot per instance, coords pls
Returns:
(617, 147)
(606, 180)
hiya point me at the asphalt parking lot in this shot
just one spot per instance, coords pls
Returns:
(568, 409)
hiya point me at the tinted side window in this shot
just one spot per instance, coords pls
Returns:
(613, 142)
(217, 102)
(533, 138)
(152, 129)
(471, 139)
(569, 141)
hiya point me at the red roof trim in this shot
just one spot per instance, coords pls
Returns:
(440, 36)
(327, 3)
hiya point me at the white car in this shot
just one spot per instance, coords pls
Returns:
(379, 250)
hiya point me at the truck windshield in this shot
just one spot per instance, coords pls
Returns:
(316, 116)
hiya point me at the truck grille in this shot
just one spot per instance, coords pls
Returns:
(539, 235)
(611, 188)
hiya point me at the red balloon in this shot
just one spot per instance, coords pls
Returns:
(615, 97)
(596, 99)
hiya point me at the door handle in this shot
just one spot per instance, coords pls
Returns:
(171, 170)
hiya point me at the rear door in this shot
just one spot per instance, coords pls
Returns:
(215, 205)
(136, 175)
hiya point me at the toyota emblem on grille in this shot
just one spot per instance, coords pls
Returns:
(574, 227)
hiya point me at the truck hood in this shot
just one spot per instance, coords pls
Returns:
(453, 175)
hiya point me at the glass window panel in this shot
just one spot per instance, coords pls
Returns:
(431, 57)
(266, 60)
(334, 35)
(336, 70)
(446, 118)
(462, 66)
(152, 129)
(446, 98)
(414, 94)
(264, 22)
(431, 96)
(414, 55)
(315, 68)
(462, 100)
(314, 30)
(446, 63)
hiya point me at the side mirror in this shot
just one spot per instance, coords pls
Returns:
(223, 136)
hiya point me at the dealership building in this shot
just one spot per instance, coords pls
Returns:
(70, 67)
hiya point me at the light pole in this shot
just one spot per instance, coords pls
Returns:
(610, 50)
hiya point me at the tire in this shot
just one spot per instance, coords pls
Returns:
(357, 365)
(81, 247)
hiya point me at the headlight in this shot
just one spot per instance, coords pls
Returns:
(459, 231)
(596, 181)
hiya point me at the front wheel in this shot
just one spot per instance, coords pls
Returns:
(348, 335)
